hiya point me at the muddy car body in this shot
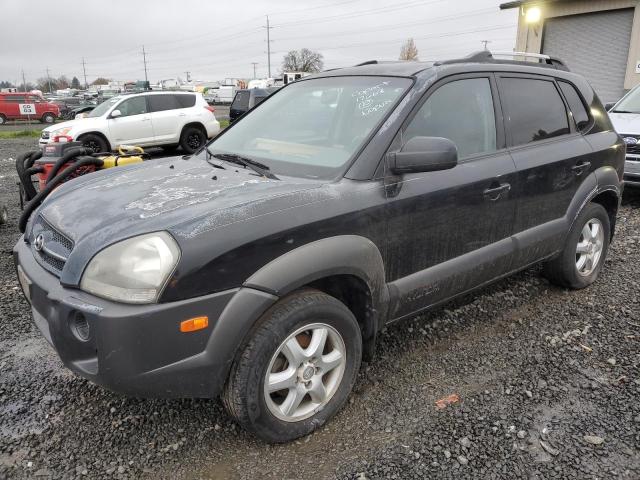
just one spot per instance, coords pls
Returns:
(297, 268)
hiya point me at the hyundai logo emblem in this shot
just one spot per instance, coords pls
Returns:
(39, 243)
(630, 140)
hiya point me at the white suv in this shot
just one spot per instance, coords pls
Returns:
(625, 116)
(166, 119)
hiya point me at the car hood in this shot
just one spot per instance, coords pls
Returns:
(82, 122)
(174, 193)
(626, 123)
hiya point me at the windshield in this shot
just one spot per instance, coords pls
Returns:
(103, 107)
(313, 128)
(630, 103)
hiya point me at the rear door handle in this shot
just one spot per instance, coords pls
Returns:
(579, 168)
(495, 193)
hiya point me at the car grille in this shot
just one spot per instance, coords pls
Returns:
(50, 247)
(633, 149)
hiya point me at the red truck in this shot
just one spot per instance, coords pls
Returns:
(24, 106)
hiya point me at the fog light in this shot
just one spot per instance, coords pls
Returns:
(80, 326)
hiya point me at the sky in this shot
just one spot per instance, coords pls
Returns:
(214, 39)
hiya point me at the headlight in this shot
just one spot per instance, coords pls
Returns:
(60, 132)
(134, 270)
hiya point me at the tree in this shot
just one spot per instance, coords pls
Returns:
(62, 82)
(75, 83)
(409, 51)
(302, 61)
(5, 84)
(42, 84)
(100, 81)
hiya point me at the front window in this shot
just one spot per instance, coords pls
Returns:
(630, 103)
(104, 107)
(313, 128)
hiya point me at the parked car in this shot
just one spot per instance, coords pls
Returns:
(40, 109)
(82, 111)
(70, 105)
(263, 268)
(246, 99)
(147, 119)
(625, 116)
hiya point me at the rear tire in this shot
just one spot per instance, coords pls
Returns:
(316, 377)
(94, 142)
(48, 118)
(585, 250)
(192, 139)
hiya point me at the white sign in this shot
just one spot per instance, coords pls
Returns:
(27, 108)
(638, 66)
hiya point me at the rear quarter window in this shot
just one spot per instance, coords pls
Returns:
(241, 101)
(186, 101)
(576, 105)
(535, 110)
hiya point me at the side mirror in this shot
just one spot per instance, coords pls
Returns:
(424, 154)
(115, 114)
(609, 106)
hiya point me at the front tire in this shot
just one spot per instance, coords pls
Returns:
(583, 256)
(94, 142)
(4, 215)
(310, 345)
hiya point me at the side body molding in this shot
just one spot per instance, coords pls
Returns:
(340, 255)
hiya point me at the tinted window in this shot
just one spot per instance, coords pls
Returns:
(159, 103)
(461, 111)
(186, 101)
(576, 105)
(241, 102)
(133, 106)
(14, 98)
(257, 100)
(535, 110)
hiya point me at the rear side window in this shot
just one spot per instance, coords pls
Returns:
(241, 102)
(257, 100)
(576, 105)
(535, 110)
(186, 101)
(461, 111)
(160, 103)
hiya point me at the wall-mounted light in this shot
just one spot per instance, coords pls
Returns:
(532, 15)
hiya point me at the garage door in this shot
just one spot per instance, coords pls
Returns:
(595, 45)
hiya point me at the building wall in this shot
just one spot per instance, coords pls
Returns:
(529, 37)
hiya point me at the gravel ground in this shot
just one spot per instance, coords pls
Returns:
(547, 379)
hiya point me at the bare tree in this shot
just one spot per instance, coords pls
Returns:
(100, 81)
(303, 60)
(409, 51)
(62, 82)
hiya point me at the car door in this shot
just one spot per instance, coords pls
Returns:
(133, 126)
(168, 115)
(552, 159)
(449, 231)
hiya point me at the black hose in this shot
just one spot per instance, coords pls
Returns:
(23, 163)
(42, 194)
(65, 158)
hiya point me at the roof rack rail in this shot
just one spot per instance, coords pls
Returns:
(485, 56)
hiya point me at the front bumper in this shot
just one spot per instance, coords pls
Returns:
(139, 349)
(632, 171)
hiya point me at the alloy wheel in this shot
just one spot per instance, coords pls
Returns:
(305, 372)
(589, 248)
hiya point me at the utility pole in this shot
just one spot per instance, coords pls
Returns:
(24, 82)
(188, 76)
(268, 47)
(49, 81)
(254, 68)
(84, 71)
(144, 57)
(484, 42)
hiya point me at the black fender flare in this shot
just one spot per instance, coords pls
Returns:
(340, 255)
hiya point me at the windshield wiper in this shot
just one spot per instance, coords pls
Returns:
(257, 167)
(622, 111)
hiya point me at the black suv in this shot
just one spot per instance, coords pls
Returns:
(246, 99)
(262, 267)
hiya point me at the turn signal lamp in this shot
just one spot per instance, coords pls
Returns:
(194, 324)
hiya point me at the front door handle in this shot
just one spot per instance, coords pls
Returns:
(579, 168)
(494, 193)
